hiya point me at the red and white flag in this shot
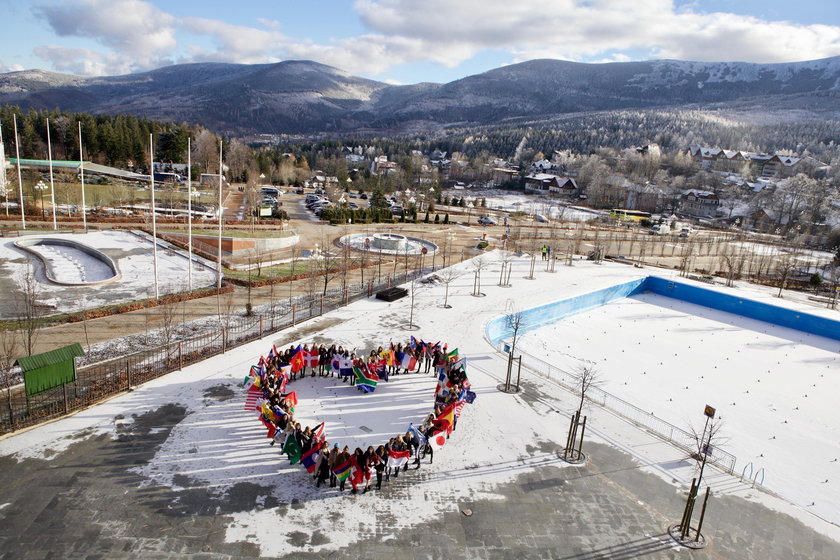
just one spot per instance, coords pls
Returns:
(398, 458)
(437, 440)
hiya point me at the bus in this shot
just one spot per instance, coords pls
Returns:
(623, 215)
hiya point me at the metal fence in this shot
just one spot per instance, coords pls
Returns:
(98, 381)
(647, 420)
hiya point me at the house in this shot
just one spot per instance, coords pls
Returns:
(563, 186)
(546, 183)
(700, 204)
(760, 164)
(381, 165)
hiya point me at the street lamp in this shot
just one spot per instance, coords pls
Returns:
(41, 187)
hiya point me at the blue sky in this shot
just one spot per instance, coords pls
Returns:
(407, 41)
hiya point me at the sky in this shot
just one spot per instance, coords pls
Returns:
(406, 41)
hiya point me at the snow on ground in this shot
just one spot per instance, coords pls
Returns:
(774, 388)
(134, 259)
(219, 444)
(529, 204)
(72, 265)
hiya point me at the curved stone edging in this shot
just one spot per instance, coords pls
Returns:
(29, 245)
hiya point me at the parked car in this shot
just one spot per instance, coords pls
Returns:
(397, 209)
(486, 221)
(271, 191)
(299, 190)
(353, 206)
(363, 196)
(540, 218)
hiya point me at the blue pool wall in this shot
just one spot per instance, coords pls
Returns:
(497, 329)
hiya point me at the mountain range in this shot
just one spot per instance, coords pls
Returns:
(304, 97)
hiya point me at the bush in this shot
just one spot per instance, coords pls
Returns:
(482, 245)
(437, 218)
(446, 219)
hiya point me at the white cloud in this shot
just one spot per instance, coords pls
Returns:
(590, 30)
(83, 62)
(138, 35)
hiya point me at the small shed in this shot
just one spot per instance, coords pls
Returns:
(49, 369)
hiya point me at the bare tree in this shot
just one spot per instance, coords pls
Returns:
(506, 258)
(785, 266)
(8, 355)
(27, 309)
(326, 264)
(479, 263)
(514, 322)
(705, 442)
(588, 378)
(447, 276)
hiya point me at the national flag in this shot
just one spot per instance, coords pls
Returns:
(365, 380)
(417, 435)
(254, 393)
(310, 458)
(466, 396)
(318, 432)
(459, 406)
(460, 364)
(357, 474)
(398, 458)
(284, 372)
(342, 472)
(446, 419)
(292, 449)
(296, 361)
(312, 358)
(408, 361)
(412, 342)
(268, 413)
(345, 366)
(388, 356)
(452, 355)
(262, 361)
(437, 440)
(272, 431)
(292, 400)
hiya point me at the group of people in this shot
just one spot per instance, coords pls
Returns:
(268, 380)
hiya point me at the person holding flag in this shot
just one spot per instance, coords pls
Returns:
(322, 470)
(342, 467)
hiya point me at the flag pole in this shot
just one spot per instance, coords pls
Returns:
(221, 213)
(3, 181)
(20, 182)
(189, 211)
(82, 172)
(52, 183)
(154, 219)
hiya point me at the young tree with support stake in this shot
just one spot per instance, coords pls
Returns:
(588, 378)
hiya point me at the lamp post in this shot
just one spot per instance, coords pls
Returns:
(41, 187)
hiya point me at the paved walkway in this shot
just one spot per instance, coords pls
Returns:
(88, 503)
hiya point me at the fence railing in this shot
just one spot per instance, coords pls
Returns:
(647, 420)
(97, 381)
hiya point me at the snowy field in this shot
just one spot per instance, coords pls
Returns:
(133, 257)
(774, 388)
(219, 445)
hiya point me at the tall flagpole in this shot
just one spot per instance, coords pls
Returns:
(52, 183)
(154, 218)
(4, 182)
(189, 210)
(221, 213)
(20, 183)
(82, 171)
